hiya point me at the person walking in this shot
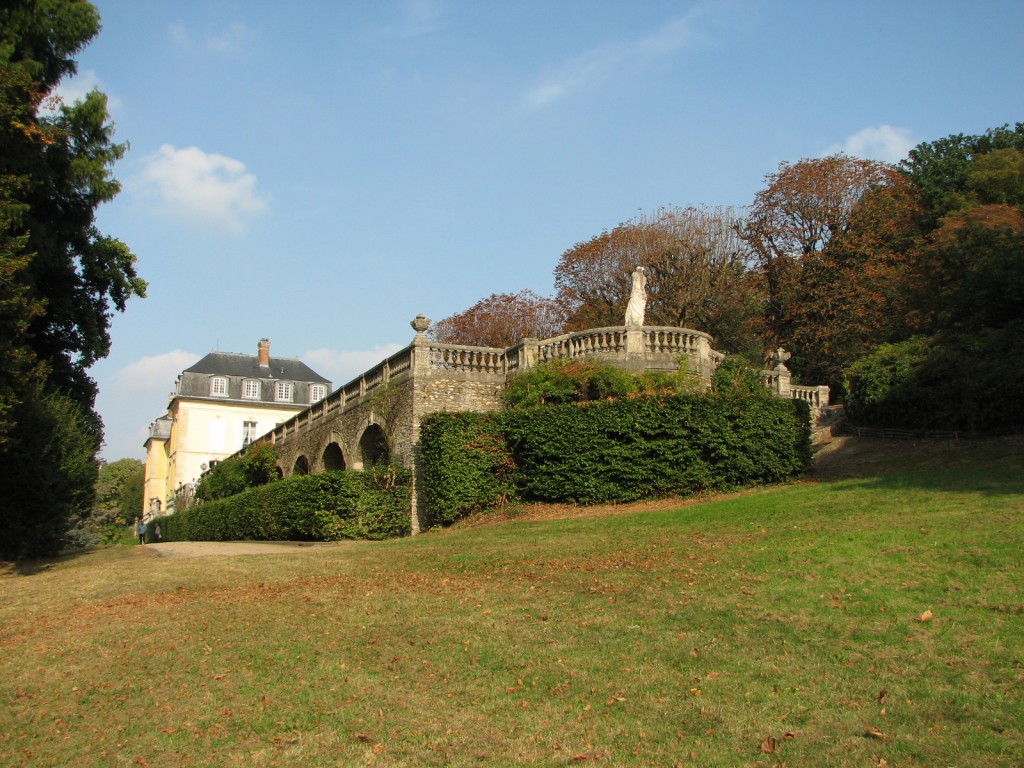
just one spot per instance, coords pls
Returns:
(142, 532)
(156, 532)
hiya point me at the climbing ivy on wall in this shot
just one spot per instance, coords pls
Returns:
(465, 464)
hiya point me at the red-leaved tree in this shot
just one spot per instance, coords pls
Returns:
(502, 320)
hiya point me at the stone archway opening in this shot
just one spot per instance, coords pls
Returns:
(373, 447)
(301, 466)
(333, 458)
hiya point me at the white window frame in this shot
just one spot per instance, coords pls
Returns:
(317, 392)
(219, 386)
(249, 432)
(251, 389)
(284, 392)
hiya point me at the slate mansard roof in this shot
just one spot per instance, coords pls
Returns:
(248, 367)
(237, 368)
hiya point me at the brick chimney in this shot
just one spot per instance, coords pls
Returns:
(263, 353)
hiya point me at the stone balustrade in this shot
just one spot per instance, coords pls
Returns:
(675, 341)
(455, 357)
(816, 397)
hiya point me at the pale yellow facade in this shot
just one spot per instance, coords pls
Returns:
(203, 431)
(155, 488)
(222, 403)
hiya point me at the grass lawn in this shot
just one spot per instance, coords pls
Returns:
(866, 620)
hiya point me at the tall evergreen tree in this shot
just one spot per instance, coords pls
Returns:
(60, 277)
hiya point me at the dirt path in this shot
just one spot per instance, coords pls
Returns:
(220, 548)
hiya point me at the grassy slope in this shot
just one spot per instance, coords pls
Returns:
(790, 619)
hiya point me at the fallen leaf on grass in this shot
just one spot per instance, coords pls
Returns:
(768, 745)
(872, 732)
(926, 616)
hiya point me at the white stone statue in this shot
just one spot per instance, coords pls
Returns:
(637, 299)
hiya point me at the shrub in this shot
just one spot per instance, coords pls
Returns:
(878, 383)
(567, 381)
(257, 466)
(465, 464)
(647, 447)
(954, 381)
(735, 376)
(373, 504)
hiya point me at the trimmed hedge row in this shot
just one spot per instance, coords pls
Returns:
(610, 451)
(374, 504)
(624, 450)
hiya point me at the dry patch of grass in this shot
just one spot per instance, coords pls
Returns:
(867, 620)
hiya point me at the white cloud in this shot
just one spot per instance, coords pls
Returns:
(76, 88)
(234, 39)
(420, 17)
(594, 68)
(180, 35)
(130, 398)
(237, 38)
(341, 366)
(199, 187)
(882, 142)
(154, 372)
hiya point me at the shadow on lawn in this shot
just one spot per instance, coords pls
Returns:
(988, 465)
(34, 566)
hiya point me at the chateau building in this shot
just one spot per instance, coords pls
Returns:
(219, 405)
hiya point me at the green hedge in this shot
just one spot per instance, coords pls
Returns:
(610, 451)
(624, 450)
(465, 464)
(374, 504)
(954, 381)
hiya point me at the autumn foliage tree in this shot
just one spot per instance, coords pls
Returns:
(502, 320)
(854, 294)
(697, 275)
(965, 281)
(794, 219)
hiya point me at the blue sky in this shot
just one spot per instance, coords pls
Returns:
(319, 172)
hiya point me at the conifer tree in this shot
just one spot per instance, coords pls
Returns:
(60, 278)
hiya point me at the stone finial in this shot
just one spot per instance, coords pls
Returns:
(421, 323)
(780, 356)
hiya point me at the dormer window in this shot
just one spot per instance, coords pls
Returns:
(317, 392)
(284, 392)
(251, 389)
(218, 386)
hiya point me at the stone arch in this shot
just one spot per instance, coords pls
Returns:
(373, 447)
(301, 466)
(333, 458)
